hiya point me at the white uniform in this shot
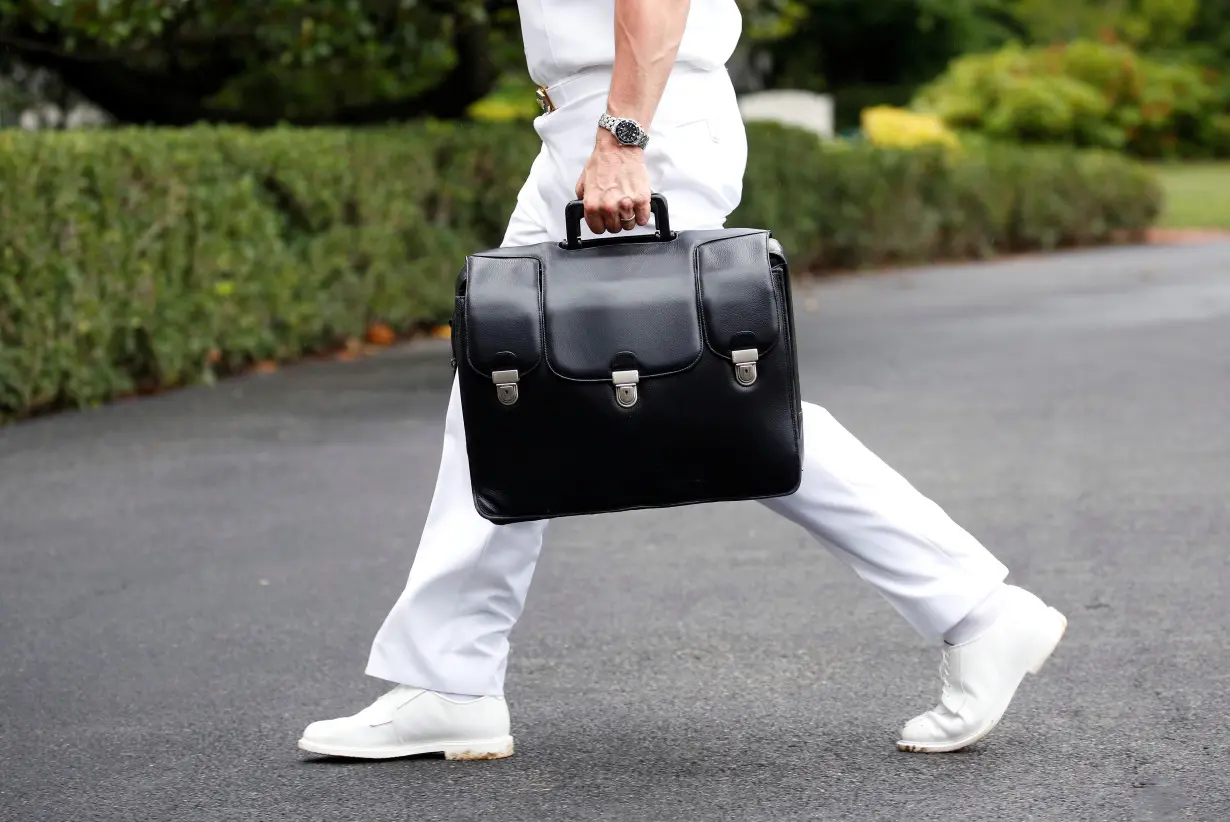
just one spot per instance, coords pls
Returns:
(565, 37)
(448, 631)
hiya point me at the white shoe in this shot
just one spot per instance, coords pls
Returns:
(981, 677)
(408, 721)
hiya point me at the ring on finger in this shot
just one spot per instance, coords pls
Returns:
(627, 222)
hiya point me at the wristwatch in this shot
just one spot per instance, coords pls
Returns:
(627, 132)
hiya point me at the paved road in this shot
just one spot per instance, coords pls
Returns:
(187, 581)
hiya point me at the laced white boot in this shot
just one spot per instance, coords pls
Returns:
(981, 677)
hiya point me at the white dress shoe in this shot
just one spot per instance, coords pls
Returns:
(981, 677)
(408, 721)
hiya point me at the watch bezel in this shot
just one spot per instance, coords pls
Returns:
(627, 126)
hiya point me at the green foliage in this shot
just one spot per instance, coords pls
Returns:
(849, 102)
(849, 205)
(876, 53)
(315, 62)
(835, 44)
(305, 62)
(866, 53)
(136, 258)
(1140, 23)
(1083, 93)
(130, 256)
(512, 99)
(1208, 40)
(769, 20)
(291, 32)
(265, 61)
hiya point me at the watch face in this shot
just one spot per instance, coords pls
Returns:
(627, 132)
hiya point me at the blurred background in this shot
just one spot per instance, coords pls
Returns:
(299, 176)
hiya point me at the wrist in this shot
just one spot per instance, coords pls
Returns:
(640, 113)
(606, 141)
(624, 132)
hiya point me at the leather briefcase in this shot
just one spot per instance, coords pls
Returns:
(624, 373)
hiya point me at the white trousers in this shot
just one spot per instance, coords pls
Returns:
(449, 629)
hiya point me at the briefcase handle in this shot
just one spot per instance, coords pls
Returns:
(574, 213)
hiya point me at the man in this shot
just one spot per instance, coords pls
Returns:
(661, 64)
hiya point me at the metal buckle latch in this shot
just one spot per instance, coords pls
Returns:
(506, 386)
(745, 365)
(544, 100)
(625, 387)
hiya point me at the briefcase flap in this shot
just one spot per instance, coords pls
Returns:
(653, 306)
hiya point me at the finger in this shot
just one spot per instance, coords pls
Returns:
(593, 216)
(626, 208)
(642, 211)
(610, 215)
(627, 213)
(580, 188)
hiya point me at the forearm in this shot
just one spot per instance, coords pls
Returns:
(614, 183)
(647, 37)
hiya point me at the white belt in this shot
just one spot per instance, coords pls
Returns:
(591, 81)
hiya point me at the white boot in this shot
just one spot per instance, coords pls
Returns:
(981, 677)
(408, 721)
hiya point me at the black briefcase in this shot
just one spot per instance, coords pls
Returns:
(624, 373)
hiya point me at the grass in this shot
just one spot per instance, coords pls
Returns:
(1197, 195)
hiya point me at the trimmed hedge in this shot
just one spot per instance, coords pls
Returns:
(134, 259)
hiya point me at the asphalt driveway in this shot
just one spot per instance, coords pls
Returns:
(186, 581)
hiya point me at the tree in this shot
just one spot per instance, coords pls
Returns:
(868, 53)
(842, 43)
(1208, 38)
(1143, 24)
(176, 62)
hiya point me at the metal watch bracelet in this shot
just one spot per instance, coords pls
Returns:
(627, 131)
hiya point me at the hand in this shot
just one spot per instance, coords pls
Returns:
(614, 186)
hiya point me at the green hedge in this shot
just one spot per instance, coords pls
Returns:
(1085, 93)
(134, 259)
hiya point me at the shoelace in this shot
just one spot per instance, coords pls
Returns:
(945, 678)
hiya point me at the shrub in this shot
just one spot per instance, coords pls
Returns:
(134, 258)
(852, 205)
(889, 127)
(1083, 94)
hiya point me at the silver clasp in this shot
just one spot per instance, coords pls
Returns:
(544, 101)
(625, 387)
(506, 386)
(745, 365)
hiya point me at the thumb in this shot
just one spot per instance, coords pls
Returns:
(580, 189)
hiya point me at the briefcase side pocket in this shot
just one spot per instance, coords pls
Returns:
(742, 313)
(502, 315)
